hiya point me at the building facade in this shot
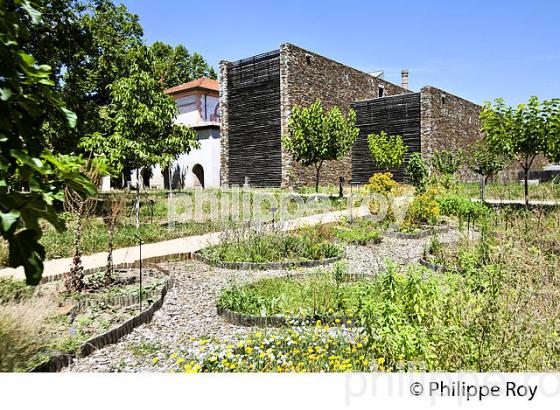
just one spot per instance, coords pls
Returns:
(257, 94)
(198, 107)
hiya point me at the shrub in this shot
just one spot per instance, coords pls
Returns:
(462, 208)
(382, 183)
(423, 210)
(417, 171)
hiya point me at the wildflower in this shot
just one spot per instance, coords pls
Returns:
(181, 360)
(155, 360)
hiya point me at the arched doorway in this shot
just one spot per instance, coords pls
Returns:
(198, 172)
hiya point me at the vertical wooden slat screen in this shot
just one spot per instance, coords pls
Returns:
(396, 115)
(254, 146)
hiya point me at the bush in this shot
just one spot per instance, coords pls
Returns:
(423, 210)
(382, 183)
(462, 208)
(417, 171)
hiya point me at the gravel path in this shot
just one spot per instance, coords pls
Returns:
(189, 311)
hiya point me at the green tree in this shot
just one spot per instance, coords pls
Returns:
(32, 179)
(315, 136)
(174, 66)
(523, 132)
(485, 162)
(387, 151)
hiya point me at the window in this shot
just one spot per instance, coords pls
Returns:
(308, 58)
(381, 92)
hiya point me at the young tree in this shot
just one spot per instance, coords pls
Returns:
(139, 128)
(485, 162)
(315, 136)
(387, 151)
(32, 179)
(115, 208)
(524, 132)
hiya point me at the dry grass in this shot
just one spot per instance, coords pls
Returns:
(21, 326)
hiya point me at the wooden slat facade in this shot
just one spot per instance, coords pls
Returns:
(254, 146)
(396, 115)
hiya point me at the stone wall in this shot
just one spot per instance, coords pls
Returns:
(306, 77)
(447, 123)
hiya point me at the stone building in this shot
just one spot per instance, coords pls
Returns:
(257, 93)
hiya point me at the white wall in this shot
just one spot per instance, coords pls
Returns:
(208, 156)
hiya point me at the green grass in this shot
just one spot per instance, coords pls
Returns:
(359, 232)
(318, 294)
(512, 190)
(249, 246)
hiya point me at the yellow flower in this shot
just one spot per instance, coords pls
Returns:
(258, 334)
(155, 360)
(181, 360)
(173, 355)
(381, 361)
(212, 359)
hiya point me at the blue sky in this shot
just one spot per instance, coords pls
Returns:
(479, 50)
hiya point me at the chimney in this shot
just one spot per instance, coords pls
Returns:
(404, 79)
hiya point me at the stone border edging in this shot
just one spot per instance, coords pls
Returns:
(419, 235)
(56, 363)
(263, 265)
(241, 319)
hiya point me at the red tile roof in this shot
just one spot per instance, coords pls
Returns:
(200, 83)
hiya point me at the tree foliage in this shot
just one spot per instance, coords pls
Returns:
(174, 66)
(32, 179)
(94, 44)
(387, 151)
(139, 130)
(523, 132)
(315, 136)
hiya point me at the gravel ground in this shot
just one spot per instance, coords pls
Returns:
(189, 311)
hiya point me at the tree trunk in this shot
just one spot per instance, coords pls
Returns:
(109, 270)
(74, 280)
(526, 180)
(318, 168)
(482, 187)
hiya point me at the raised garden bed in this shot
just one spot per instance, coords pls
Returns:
(263, 265)
(54, 327)
(248, 249)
